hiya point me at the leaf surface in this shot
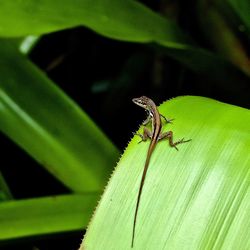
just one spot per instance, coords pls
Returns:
(46, 215)
(46, 123)
(194, 198)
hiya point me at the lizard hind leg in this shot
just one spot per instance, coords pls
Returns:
(146, 135)
(169, 135)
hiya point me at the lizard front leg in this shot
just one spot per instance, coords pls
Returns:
(148, 119)
(146, 135)
(169, 135)
(167, 120)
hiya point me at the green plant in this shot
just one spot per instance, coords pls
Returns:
(48, 125)
(196, 198)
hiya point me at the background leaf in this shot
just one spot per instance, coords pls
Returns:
(242, 8)
(50, 127)
(122, 20)
(30, 217)
(196, 198)
(5, 193)
(115, 19)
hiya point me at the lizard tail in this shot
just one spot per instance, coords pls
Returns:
(151, 147)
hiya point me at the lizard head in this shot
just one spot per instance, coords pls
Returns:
(142, 101)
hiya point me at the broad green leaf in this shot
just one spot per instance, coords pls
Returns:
(40, 118)
(45, 215)
(115, 19)
(194, 198)
(122, 20)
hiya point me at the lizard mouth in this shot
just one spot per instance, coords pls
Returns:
(141, 101)
(135, 100)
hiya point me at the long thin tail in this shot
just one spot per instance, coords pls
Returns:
(150, 150)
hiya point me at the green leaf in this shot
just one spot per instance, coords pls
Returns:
(122, 20)
(115, 19)
(40, 118)
(45, 215)
(242, 8)
(5, 193)
(194, 198)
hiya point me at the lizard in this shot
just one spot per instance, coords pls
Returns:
(155, 135)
